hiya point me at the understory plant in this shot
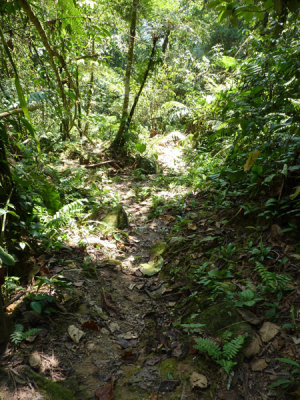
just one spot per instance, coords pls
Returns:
(224, 354)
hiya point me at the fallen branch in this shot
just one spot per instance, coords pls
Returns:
(90, 166)
(18, 111)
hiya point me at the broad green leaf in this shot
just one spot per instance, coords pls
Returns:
(296, 193)
(228, 62)
(285, 170)
(269, 178)
(6, 257)
(141, 147)
(280, 382)
(21, 98)
(288, 361)
(36, 306)
(2, 211)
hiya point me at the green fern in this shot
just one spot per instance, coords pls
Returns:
(63, 216)
(222, 356)
(205, 345)
(231, 349)
(19, 335)
(272, 280)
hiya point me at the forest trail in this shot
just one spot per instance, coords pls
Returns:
(129, 348)
(114, 335)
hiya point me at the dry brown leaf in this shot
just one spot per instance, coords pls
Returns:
(192, 227)
(90, 325)
(106, 392)
(251, 160)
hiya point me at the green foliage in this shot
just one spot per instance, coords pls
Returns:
(19, 335)
(10, 286)
(224, 355)
(272, 282)
(293, 376)
(6, 258)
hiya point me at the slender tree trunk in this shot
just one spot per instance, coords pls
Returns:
(52, 54)
(4, 324)
(119, 141)
(90, 94)
(6, 182)
(148, 69)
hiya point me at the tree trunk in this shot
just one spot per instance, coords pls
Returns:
(148, 69)
(6, 182)
(119, 141)
(66, 125)
(4, 325)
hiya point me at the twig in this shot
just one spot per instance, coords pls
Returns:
(14, 299)
(235, 215)
(183, 391)
(90, 166)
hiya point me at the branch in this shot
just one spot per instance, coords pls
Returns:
(18, 111)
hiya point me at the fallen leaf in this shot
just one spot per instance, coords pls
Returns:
(192, 227)
(251, 160)
(198, 381)
(152, 267)
(78, 283)
(106, 392)
(44, 271)
(129, 355)
(90, 325)
(153, 396)
(75, 333)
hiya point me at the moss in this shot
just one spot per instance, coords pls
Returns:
(52, 390)
(221, 317)
(124, 391)
(168, 367)
(116, 218)
(157, 249)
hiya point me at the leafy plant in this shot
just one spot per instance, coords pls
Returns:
(272, 282)
(293, 377)
(43, 303)
(11, 285)
(222, 355)
(19, 335)
(6, 258)
(247, 297)
(56, 285)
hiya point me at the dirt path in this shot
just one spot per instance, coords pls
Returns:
(129, 348)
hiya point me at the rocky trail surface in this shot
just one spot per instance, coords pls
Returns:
(114, 335)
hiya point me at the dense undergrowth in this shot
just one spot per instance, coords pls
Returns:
(227, 96)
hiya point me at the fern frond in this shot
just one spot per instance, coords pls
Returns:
(18, 335)
(231, 349)
(208, 346)
(271, 279)
(227, 365)
(63, 216)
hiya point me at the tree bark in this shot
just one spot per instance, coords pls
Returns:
(18, 111)
(148, 69)
(119, 141)
(52, 54)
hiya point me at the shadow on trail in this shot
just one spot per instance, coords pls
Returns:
(125, 318)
